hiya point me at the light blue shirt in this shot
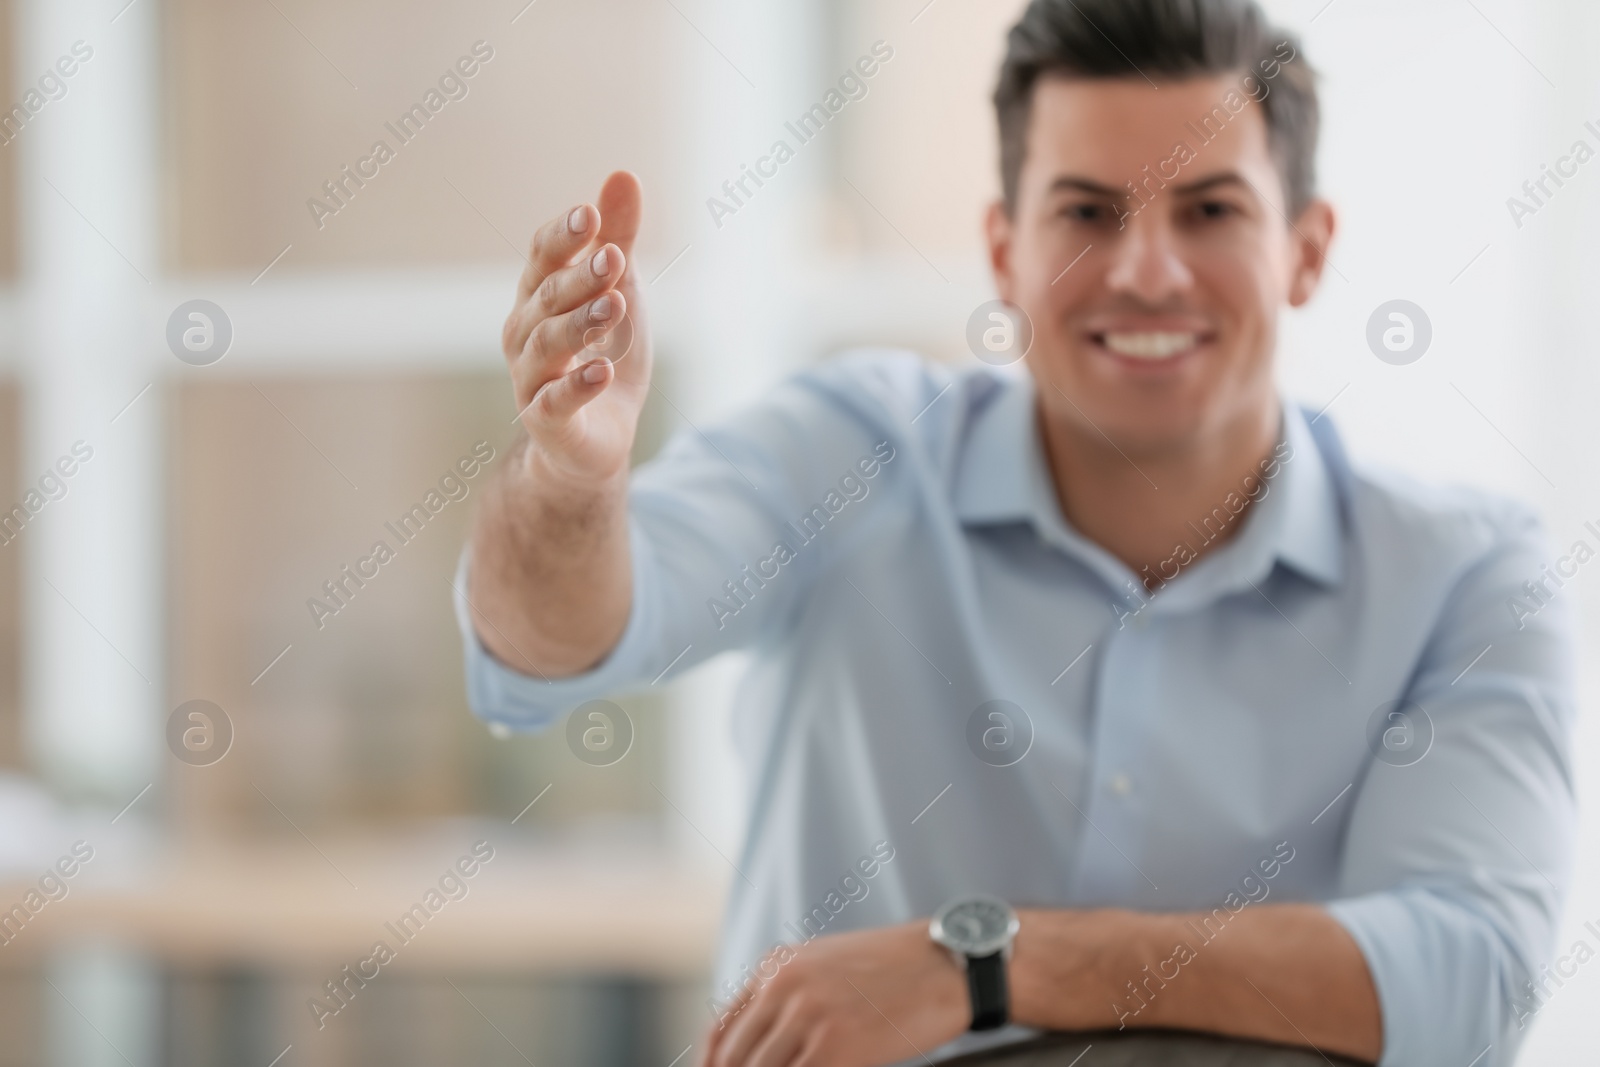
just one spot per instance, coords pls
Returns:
(884, 537)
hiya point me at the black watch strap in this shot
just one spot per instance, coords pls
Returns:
(986, 982)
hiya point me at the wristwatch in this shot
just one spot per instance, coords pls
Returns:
(978, 931)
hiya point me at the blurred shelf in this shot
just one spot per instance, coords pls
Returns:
(289, 904)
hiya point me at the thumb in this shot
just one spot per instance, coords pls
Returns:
(621, 206)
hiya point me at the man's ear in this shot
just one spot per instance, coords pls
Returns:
(998, 229)
(1310, 239)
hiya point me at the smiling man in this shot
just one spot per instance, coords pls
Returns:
(1099, 692)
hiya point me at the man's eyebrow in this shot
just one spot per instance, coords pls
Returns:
(1225, 178)
(1068, 182)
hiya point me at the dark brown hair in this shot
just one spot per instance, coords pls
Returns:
(1156, 39)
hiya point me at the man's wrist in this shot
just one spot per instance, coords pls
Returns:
(1066, 965)
(952, 998)
(547, 476)
(543, 540)
(567, 509)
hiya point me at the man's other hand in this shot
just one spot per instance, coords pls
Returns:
(846, 1000)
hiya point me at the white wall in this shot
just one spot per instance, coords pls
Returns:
(1434, 119)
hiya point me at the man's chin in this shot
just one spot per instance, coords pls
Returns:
(1143, 415)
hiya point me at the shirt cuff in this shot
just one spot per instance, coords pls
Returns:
(500, 694)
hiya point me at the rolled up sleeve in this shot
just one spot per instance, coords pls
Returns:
(499, 694)
(1456, 864)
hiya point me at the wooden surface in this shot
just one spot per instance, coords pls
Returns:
(286, 903)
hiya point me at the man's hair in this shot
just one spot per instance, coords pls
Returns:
(1156, 39)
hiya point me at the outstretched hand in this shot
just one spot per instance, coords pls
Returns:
(576, 341)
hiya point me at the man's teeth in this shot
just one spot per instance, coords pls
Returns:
(1151, 345)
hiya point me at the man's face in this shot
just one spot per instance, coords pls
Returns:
(1155, 314)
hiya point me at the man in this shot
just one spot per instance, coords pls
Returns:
(1119, 669)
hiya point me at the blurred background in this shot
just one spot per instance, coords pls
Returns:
(338, 774)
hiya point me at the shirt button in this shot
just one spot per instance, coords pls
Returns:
(1120, 784)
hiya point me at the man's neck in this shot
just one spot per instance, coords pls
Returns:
(1142, 506)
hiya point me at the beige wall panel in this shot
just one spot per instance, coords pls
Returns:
(262, 113)
(364, 719)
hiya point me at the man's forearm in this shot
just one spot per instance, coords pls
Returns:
(1283, 972)
(551, 580)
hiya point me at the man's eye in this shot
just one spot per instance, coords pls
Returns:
(1215, 209)
(1087, 212)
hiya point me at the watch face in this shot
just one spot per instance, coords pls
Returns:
(975, 926)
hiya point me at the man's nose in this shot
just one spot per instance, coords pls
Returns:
(1146, 260)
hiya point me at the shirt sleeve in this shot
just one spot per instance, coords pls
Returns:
(1456, 861)
(728, 528)
(499, 694)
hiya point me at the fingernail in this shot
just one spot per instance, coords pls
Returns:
(600, 310)
(594, 372)
(598, 263)
(578, 221)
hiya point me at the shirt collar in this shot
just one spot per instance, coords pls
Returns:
(995, 471)
(1311, 538)
(1002, 476)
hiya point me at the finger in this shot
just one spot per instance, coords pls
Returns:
(556, 340)
(553, 246)
(713, 1041)
(561, 398)
(813, 1054)
(781, 1044)
(570, 286)
(563, 291)
(747, 1028)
